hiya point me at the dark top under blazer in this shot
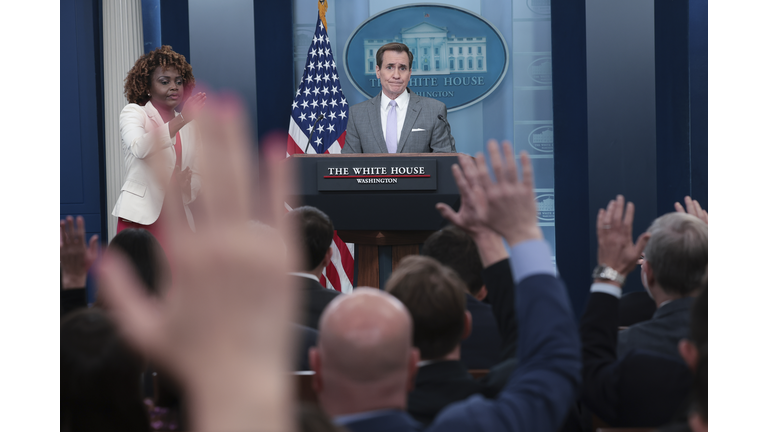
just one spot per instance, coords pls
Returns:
(639, 389)
(423, 131)
(315, 298)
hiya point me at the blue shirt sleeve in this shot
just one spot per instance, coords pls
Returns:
(530, 258)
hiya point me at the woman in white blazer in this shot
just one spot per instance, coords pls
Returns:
(154, 135)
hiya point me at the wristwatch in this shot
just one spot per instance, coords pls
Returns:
(602, 271)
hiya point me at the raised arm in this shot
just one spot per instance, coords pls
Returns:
(545, 382)
(141, 142)
(75, 259)
(694, 208)
(136, 139)
(634, 390)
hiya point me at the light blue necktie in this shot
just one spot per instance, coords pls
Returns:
(392, 127)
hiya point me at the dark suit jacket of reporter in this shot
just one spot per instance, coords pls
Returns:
(662, 333)
(639, 389)
(441, 383)
(482, 349)
(494, 326)
(423, 131)
(314, 299)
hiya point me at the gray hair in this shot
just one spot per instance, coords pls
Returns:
(677, 252)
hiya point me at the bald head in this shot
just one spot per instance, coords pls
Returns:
(365, 336)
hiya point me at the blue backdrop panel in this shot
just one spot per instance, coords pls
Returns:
(174, 26)
(81, 141)
(150, 20)
(698, 84)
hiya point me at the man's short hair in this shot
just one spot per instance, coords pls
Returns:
(454, 248)
(435, 297)
(393, 46)
(316, 234)
(677, 252)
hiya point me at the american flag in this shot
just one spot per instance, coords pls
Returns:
(319, 96)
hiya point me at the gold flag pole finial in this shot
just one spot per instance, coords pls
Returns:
(322, 7)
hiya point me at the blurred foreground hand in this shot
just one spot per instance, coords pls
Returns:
(223, 328)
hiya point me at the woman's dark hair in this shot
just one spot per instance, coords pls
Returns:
(146, 255)
(100, 377)
(137, 83)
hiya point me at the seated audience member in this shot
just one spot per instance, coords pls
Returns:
(365, 362)
(245, 386)
(641, 388)
(694, 352)
(673, 268)
(147, 257)
(483, 265)
(100, 377)
(315, 235)
(436, 299)
(139, 245)
(75, 259)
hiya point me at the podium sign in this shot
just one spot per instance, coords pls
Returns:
(405, 205)
(374, 174)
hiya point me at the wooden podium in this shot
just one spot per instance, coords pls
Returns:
(378, 200)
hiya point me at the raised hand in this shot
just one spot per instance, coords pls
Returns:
(472, 201)
(506, 206)
(75, 257)
(192, 107)
(693, 207)
(614, 237)
(224, 327)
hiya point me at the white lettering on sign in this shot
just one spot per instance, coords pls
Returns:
(376, 180)
(338, 171)
(407, 170)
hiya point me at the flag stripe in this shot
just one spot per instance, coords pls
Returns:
(346, 255)
(333, 277)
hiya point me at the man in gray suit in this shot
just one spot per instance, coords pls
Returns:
(673, 270)
(397, 120)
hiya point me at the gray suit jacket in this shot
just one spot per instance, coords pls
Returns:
(661, 333)
(422, 132)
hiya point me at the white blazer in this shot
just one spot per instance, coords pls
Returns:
(141, 197)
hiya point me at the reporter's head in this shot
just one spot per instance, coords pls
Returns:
(364, 358)
(315, 235)
(676, 254)
(435, 297)
(454, 248)
(100, 376)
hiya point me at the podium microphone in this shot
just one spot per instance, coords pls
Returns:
(453, 141)
(320, 117)
(440, 116)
